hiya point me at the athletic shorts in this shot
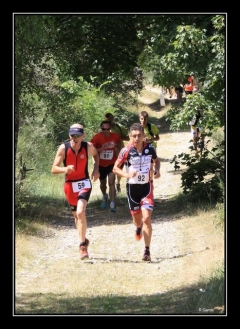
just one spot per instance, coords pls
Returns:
(75, 191)
(105, 171)
(140, 196)
(196, 131)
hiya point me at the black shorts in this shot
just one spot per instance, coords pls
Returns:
(140, 196)
(105, 171)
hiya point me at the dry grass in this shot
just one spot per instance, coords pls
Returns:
(186, 247)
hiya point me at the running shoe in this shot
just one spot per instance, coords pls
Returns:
(112, 207)
(138, 233)
(118, 188)
(104, 202)
(146, 255)
(83, 250)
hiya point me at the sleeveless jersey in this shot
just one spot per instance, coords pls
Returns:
(80, 162)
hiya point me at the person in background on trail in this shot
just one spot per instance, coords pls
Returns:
(138, 157)
(169, 90)
(188, 86)
(138, 72)
(197, 133)
(139, 76)
(179, 92)
(150, 129)
(123, 133)
(108, 145)
(195, 84)
(74, 155)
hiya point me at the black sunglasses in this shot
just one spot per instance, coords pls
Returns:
(105, 128)
(75, 136)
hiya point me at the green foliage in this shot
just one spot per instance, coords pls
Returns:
(180, 45)
(72, 68)
(180, 116)
(79, 102)
(204, 178)
(97, 45)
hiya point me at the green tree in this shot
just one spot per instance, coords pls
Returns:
(181, 45)
(31, 43)
(59, 58)
(178, 45)
(50, 48)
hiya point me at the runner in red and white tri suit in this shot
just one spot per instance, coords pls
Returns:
(139, 158)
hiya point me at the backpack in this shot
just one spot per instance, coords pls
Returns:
(149, 129)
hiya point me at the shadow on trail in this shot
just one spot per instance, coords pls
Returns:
(183, 300)
(157, 260)
(166, 208)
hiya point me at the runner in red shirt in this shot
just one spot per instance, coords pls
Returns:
(108, 145)
(71, 159)
(188, 87)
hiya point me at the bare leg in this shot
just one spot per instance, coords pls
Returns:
(147, 226)
(118, 179)
(80, 219)
(137, 219)
(103, 186)
(112, 188)
(143, 220)
(195, 139)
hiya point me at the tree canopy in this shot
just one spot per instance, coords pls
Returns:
(73, 65)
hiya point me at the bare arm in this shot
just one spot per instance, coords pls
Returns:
(94, 153)
(122, 173)
(156, 137)
(153, 138)
(156, 168)
(57, 167)
(118, 148)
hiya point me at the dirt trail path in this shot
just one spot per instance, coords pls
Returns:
(183, 248)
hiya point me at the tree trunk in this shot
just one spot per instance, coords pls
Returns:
(17, 89)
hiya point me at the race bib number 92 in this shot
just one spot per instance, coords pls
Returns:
(140, 178)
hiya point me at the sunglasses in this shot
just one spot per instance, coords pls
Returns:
(75, 136)
(105, 128)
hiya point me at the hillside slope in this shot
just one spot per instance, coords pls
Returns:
(185, 247)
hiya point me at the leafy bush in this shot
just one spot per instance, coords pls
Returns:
(204, 178)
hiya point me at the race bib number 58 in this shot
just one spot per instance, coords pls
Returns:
(106, 155)
(77, 186)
